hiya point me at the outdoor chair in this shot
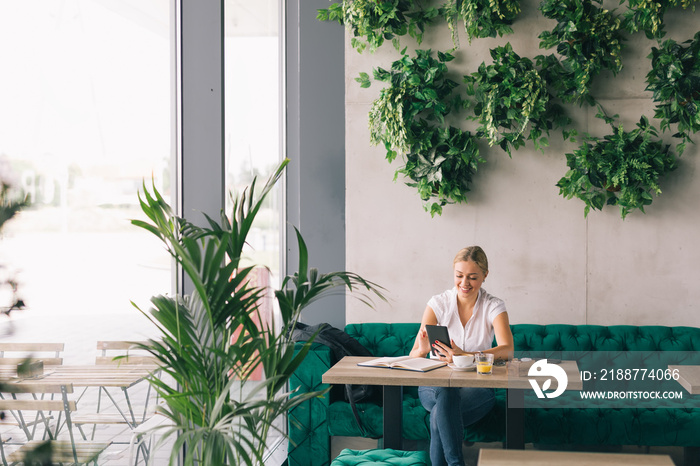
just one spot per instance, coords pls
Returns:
(107, 352)
(15, 353)
(12, 354)
(64, 451)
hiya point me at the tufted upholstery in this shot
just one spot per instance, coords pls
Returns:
(309, 436)
(386, 457)
(600, 338)
(311, 427)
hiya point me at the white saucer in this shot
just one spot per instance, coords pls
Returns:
(463, 369)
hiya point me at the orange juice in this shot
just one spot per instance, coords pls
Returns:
(484, 367)
(484, 363)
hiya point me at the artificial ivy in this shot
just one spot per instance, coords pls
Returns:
(511, 96)
(589, 40)
(409, 119)
(674, 80)
(648, 15)
(377, 21)
(441, 164)
(482, 18)
(622, 169)
(380, 20)
(513, 99)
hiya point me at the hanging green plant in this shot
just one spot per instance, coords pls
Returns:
(511, 96)
(374, 21)
(648, 15)
(589, 39)
(621, 169)
(441, 164)
(409, 119)
(675, 81)
(482, 18)
(514, 100)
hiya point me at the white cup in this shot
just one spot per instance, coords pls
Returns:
(463, 360)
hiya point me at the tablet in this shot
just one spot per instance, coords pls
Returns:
(439, 333)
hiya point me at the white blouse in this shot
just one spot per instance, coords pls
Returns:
(478, 333)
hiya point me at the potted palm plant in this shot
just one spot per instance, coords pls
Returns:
(210, 340)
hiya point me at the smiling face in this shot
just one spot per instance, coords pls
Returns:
(468, 278)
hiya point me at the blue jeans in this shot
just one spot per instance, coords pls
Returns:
(447, 423)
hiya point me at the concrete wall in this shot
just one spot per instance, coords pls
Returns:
(548, 262)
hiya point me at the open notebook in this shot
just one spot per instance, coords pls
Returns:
(404, 362)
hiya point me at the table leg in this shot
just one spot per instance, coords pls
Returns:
(691, 456)
(393, 417)
(515, 419)
(130, 419)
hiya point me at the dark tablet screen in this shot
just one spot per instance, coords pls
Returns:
(439, 333)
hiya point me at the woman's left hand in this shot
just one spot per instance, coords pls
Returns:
(446, 351)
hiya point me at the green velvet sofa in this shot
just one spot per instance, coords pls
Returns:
(312, 424)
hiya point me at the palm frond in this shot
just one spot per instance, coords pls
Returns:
(211, 340)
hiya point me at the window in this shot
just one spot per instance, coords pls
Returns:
(85, 106)
(253, 128)
(86, 116)
(253, 115)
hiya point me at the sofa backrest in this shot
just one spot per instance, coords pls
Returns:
(383, 339)
(560, 337)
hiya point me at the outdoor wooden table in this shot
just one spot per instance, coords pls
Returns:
(101, 376)
(346, 371)
(85, 375)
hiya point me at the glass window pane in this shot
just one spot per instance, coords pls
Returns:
(84, 120)
(253, 143)
(252, 115)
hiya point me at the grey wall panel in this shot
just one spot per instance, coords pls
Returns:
(316, 146)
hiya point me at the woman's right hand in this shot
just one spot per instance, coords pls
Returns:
(422, 346)
(423, 343)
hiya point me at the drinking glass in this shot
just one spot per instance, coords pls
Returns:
(484, 363)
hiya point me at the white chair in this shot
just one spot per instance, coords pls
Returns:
(142, 432)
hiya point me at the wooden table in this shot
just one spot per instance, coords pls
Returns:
(102, 376)
(689, 378)
(346, 371)
(490, 457)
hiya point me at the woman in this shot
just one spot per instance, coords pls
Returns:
(472, 317)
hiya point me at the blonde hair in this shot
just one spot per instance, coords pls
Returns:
(474, 254)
